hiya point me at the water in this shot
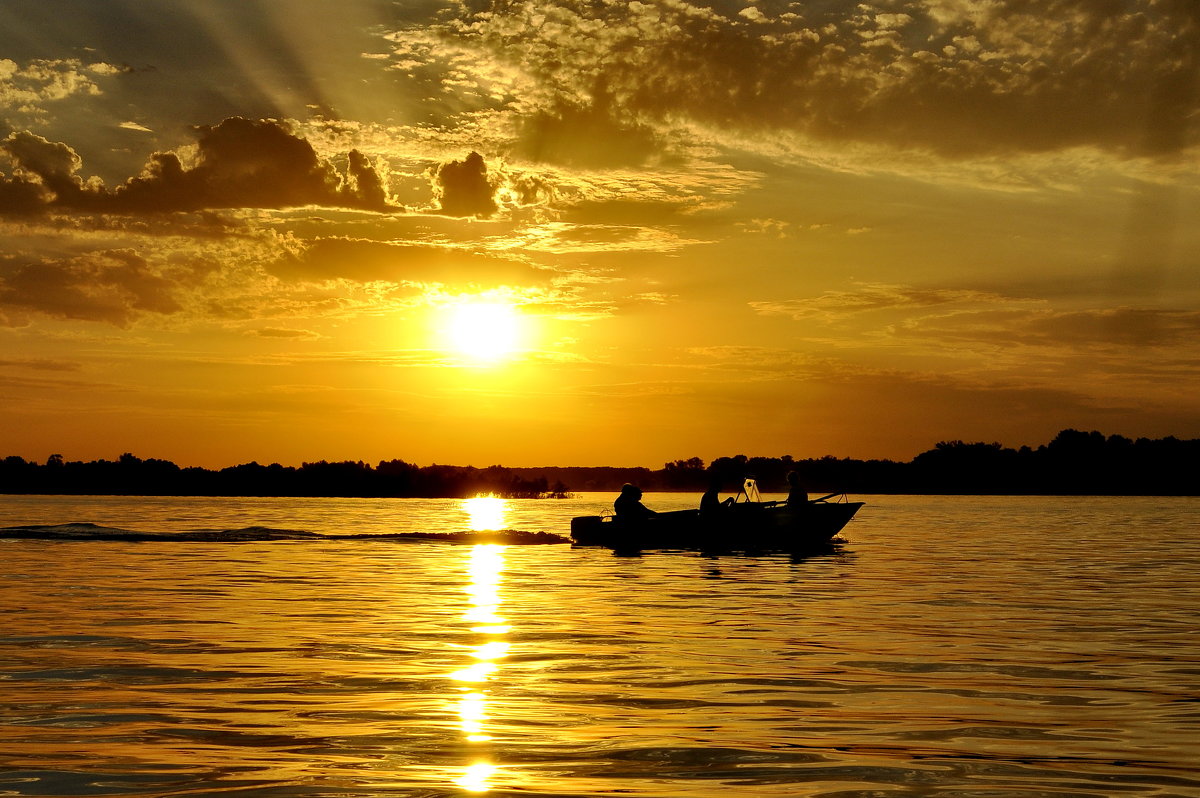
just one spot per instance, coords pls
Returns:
(954, 646)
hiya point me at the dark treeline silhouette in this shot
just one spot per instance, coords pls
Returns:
(133, 476)
(1076, 463)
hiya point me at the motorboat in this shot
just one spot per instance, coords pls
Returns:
(742, 525)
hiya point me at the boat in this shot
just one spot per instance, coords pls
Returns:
(740, 526)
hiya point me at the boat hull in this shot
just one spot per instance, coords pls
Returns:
(742, 527)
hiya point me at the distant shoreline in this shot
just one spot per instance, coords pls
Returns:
(767, 495)
(1073, 464)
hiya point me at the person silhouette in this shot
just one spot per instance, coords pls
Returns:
(629, 507)
(797, 495)
(710, 502)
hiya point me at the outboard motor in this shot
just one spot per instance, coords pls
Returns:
(587, 530)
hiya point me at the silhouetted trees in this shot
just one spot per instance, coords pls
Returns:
(1073, 463)
(683, 474)
(133, 476)
(1080, 463)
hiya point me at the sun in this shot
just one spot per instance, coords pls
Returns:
(482, 330)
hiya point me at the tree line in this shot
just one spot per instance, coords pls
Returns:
(132, 476)
(1075, 462)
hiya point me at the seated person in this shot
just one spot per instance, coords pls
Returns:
(629, 507)
(797, 495)
(710, 502)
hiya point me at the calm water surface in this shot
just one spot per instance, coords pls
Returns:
(953, 646)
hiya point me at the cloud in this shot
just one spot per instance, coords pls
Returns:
(462, 188)
(240, 163)
(282, 332)
(115, 287)
(765, 362)
(833, 305)
(1001, 330)
(1096, 328)
(27, 88)
(42, 364)
(364, 261)
(19, 196)
(1135, 327)
(559, 238)
(244, 163)
(771, 228)
(591, 135)
(45, 171)
(955, 76)
(365, 183)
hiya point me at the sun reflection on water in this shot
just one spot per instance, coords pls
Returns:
(472, 712)
(484, 568)
(485, 513)
(475, 778)
(486, 563)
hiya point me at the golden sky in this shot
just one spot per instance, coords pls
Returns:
(584, 232)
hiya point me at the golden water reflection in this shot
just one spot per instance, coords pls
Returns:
(484, 567)
(475, 779)
(483, 592)
(485, 513)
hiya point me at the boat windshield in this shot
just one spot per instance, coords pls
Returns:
(749, 492)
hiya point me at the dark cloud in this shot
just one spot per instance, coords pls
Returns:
(244, 163)
(281, 332)
(875, 297)
(42, 364)
(115, 287)
(55, 163)
(240, 163)
(20, 196)
(45, 173)
(524, 189)
(588, 136)
(628, 211)
(1137, 327)
(959, 77)
(1081, 329)
(365, 261)
(463, 189)
(365, 183)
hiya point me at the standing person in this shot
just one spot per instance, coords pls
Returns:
(629, 507)
(797, 495)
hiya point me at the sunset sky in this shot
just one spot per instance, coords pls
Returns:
(594, 232)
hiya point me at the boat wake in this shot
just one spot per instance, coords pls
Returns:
(259, 534)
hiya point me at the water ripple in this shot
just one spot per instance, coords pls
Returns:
(954, 648)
